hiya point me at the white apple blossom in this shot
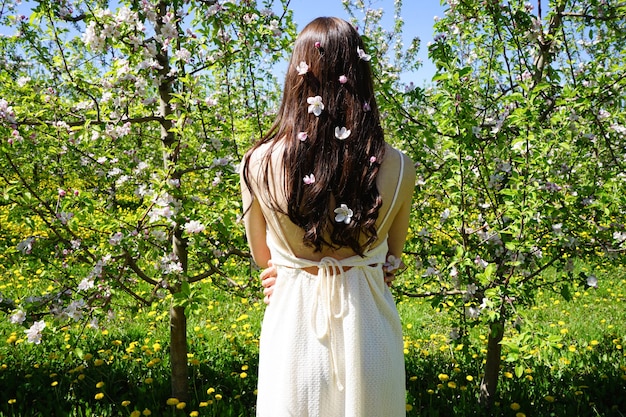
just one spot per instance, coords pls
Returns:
(343, 214)
(34, 332)
(18, 317)
(194, 226)
(85, 284)
(342, 133)
(116, 238)
(26, 246)
(315, 105)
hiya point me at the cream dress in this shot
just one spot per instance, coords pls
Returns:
(331, 343)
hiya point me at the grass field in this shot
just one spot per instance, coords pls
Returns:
(571, 361)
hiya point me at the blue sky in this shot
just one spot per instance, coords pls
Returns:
(418, 18)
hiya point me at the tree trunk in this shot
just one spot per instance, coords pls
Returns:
(178, 321)
(489, 383)
(178, 353)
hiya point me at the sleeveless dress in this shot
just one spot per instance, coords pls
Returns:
(331, 344)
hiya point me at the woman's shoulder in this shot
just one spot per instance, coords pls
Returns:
(396, 160)
(263, 152)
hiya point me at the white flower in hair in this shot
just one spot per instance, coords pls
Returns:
(362, 54)
(342, 133)
(302, 68)
(309, 179)
(315, 105)
(343, 214)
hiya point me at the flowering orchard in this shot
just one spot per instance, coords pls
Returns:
(121, 127)
(520, 146)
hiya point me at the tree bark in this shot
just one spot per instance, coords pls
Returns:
(178, 353)
(489, 383)
(178, 321)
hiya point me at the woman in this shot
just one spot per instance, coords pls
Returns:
(327, 202)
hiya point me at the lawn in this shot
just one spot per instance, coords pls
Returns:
(568, 359)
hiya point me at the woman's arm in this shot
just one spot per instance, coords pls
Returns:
(399, 228)
(255, 225)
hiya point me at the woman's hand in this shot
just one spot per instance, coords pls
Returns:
(268, 280)
(392, 266)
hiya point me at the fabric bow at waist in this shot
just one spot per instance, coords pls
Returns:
(331, 294)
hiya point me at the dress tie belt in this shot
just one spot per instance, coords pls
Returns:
(332, 294)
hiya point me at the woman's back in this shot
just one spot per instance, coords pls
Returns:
(394, 181)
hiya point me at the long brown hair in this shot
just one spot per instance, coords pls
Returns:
(345, 170)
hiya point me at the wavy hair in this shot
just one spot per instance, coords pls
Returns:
(345, 170)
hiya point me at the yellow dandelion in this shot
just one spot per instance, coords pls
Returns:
(430, 391)
(12, 401)
(181, 405)
(443, 377)
(244, 368)
(125, 403)
(99, 396)
(135, 413)
(594, 343)
(172, 401)
(452, 384)
(243, 375)
(146, 412)
(469, 378)
(572, 348)
(549, 398)
(203, 404)
(515, 406)
(520, 415)
(194, 414)
(413, 378)
(508, 375)
(218, 397)
(100, 384)
(210, 391)
(54, 383)
(409, 407)
(88, 356)
(98, 362)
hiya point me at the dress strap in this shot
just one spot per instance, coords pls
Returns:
(396, 192)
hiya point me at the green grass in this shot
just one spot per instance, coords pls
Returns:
(572, 363)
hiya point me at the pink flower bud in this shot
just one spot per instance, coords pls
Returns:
(343, 79)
